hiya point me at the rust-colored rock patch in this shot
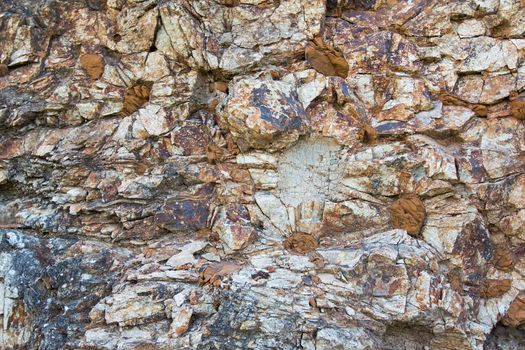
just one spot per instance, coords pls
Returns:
(504, 258)
(516, 313)
(517, 106)
(370, 134)
(213, 274)
(455, 279)
(300, 243)
(93, 64)
(408, 213)
(325, 59)
(135, 97)
(492, 288)
(4, 70)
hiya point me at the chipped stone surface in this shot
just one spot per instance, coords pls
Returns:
(252, 174)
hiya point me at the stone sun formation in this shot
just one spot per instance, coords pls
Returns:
(259, 174)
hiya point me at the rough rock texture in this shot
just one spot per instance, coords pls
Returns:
(408, 213)
(257, 174)
(93, 64)
(325, 59)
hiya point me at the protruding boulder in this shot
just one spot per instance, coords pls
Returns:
(263, 114)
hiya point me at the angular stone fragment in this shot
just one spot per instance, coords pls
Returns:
(136, 27)
(408, 213)
(93, 64)
(326, 59)
(273, 208)
(181, 317)
(234, 227)
(515, 315)
(185, 256)
(130, 308)
(183, 215)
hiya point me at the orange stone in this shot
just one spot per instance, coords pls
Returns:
(93, 64)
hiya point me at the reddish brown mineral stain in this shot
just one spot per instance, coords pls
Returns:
(312, 302)
(93, 64)
(135, 97)
(3, 70)
(221, 86)
(181, 330)
(492, 288)
(229, 3)
(408, 213)
(369, 134)
(17, 316)
(300, 243)
(503, 259)
(516, 312)
(317, 260)
(517, 106)
(453, 100)
(326, 59)
(455, 279)
(214, 273)
(144, 346)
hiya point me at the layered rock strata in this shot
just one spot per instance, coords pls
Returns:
(255, 174)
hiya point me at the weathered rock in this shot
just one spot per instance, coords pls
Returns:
(493, 288)
(515, 315)
(135, 97)
(300, 243)
(254, 174)
(3, 70)
(183, 215)
(93, 64)
(263, 114)
(214, 273)
(408, 213)
(504, 258)
(181, 320)
(517, 106)
(325, 59)
(234, 227)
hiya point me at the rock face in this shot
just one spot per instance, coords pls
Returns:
(252, 174)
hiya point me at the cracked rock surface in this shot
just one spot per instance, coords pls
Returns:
(259, 174)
